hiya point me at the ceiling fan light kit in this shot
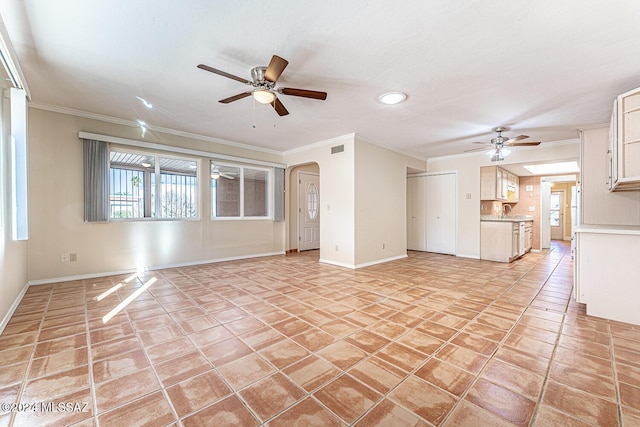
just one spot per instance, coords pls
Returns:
(264, 96)
(264, 84)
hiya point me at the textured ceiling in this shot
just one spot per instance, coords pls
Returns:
(543, 68)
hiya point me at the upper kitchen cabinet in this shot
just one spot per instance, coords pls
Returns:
(624, 144)
(498, 184)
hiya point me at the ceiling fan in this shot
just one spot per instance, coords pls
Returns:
(500, 143)
(264, 85)
(216, 173)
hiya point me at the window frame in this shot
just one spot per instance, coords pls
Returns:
(155, 188)
(269, 191)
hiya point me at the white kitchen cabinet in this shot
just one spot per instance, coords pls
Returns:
(494, 183)
(528, 236)
(498, 240)
(513, 188)
(624, 146)
(607, 272)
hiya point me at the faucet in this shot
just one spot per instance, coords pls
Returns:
(503, 209)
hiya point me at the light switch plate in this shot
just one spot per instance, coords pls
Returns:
(532, 208)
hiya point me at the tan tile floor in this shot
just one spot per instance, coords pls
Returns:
(286, 341)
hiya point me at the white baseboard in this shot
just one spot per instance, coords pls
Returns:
(366, 264)
(468, 256)
(380, 261)
(13, 308)
(157, 267)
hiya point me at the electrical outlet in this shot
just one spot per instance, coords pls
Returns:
(73, 257)
(337, 248)
(383, 246)
(532, 208)
(468, 195)
(64, 257)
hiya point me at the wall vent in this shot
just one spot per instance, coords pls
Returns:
(337, 149)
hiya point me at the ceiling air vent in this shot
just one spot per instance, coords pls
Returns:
(337, 149)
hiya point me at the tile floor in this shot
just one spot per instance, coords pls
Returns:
(286, 341)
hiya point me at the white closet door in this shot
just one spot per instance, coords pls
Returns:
(441, 213)
(416, 216)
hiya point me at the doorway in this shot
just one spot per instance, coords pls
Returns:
(308, 211)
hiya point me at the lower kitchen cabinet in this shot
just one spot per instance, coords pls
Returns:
(504, 240)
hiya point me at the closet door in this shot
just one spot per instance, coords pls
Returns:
(416, 217)
(441, 213)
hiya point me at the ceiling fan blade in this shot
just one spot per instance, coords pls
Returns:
(303, 92)
(523, 144)
(480, 142)
(476, 149)
(517, 138)
(279, 107)
(235, 97)
(224, 74)
(275, 68)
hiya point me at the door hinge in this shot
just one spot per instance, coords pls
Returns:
(299, 181)
(299, 238)
(300, 210)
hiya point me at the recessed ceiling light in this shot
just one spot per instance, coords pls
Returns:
(391, 98)
(553, 168)
(145, 102)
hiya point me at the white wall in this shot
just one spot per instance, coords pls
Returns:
(599, 205)
(57, 224)
(13, 254)
(362, 200)
(337, 198)
(468, 168)
(380, 209)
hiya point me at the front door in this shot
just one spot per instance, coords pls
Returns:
(556, 215)
(308, 211)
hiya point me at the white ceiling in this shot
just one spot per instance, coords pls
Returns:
(543, 68)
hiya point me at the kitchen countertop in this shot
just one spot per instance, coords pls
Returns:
(506, 218)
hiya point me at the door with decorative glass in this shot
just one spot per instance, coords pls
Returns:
(556, 215)
(308, 211)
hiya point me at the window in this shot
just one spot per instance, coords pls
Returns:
(135, 191)
(239, 191)
(554, 209)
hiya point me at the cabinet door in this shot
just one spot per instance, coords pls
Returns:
(500, 187)
(628, 142)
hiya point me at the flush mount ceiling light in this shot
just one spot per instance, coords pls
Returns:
(264, 96)
(391, 98)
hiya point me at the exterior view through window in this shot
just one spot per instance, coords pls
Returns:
(136, 192)
(239, 191)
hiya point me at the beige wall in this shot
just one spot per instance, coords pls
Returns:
(57, 224)
(468, 168)
(13, 254)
